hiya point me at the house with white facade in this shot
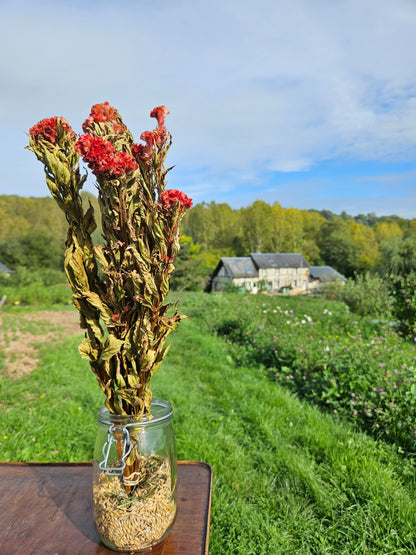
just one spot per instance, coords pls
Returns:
(288, 273)
(274, 272)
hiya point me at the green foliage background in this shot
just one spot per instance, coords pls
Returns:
(33, 233)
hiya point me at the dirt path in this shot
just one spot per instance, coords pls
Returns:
(20, 348)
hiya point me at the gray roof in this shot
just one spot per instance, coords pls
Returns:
(326, 273)
(240, 266)
(4, 269)
(279, 260)
(248, 266)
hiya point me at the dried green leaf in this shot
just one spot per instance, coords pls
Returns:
(112, 346)
(86, 350)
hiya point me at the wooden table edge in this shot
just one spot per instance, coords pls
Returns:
(89, 464)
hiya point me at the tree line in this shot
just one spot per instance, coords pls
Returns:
(33, 233)
(350, 244)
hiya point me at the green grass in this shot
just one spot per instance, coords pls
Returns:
(353, 366)
(287, 478)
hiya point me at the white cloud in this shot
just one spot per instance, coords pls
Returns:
(252, 87)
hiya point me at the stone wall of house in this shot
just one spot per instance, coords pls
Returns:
(283, 278)
(249, 283)
(293, 281)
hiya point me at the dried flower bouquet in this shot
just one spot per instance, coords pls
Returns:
(120, 287)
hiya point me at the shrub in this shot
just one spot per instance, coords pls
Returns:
(37, 294)
(231, 288)
(403, 289)
(365, 295)
(23, 276)
(35, 249)
(31, 287)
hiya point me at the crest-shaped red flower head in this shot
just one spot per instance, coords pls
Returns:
(102, 159)
(103, 112)
(48, 129)
(160, 112)
(149, 137)
(172, 196)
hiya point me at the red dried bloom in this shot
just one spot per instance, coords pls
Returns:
(161, 135)
(171, 196)
(101, 113)
(149, 137)
(101, 157)
(160, 112)
(137, 150)
(48, 129)
(123, 163)
(144, 152)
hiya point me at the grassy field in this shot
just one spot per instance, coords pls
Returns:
(288, 478)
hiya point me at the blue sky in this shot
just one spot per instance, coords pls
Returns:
(310, 103)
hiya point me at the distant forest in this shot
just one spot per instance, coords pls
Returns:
(33, 233)
(350, 244)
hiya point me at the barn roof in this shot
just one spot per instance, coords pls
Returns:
(279, 260)
(248, 266)
(4, 269)
(240, 266)
(326, 273)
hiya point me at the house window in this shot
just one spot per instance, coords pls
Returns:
(248, 284)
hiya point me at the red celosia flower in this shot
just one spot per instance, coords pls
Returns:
(96, 152)
(118, 127)
(83, 144)
(101, 157)
(102, 113)
(144, 152)
(149, 137)
(159, 113)
(123, 163)
(171, 196)
(48, 129)
(137, 150)
(161, 135)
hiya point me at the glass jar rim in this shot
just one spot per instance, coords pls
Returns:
(160, 410)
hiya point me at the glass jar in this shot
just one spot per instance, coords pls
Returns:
(135, 472)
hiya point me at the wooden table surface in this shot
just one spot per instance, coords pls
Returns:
(46, 509)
